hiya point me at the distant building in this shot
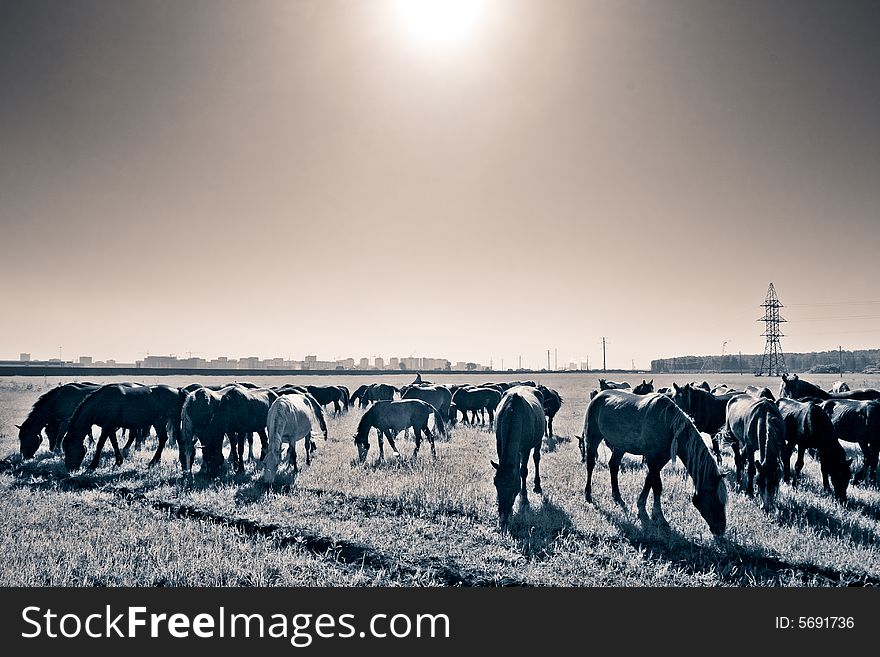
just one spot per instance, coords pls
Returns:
(346, 363)
(85, 360)
(249, 363)
(160, 361)
(379, 363)
(394, 363)
(23, 357)
(364, 364)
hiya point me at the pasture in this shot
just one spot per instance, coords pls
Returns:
(404, 522)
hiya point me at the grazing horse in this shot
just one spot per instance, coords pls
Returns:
(644, 388)
(290, 418)
(195, 419)
(519, 429)
(390, 418)
(708, 411)
(325, 395)
(358, 395)
(437, 396)
(654, 427)
(858, 421)
(807, 426)
(239, 413)
(839, 386)
(51, 411)
(756, 424)
(604, 384)
(476, 399)
(552, 402)
(317, 409)
(379, 392)
(114, 406)
(795, 388)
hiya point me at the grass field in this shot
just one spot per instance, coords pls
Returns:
(410, 523)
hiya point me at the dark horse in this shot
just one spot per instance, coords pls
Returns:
(51, 411)
(476, 399)
(336, 395)
(795, 388)
(654, 427)
(115, 406)
(644, 388)
(552, 402)
(437, 396)
(390, 418)
(756, 424)
(238, 414)
(708, 411)
(807, 426)
(519, 429)
(858, 421)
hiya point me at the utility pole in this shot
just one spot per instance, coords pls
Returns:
(740, 363)
(773, 361)
(548, 360)
(840, 359)
(555, 359)
(633, 363)
(59, 353)
(604, 368)
(520, 361)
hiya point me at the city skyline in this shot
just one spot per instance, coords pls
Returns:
(216, 177)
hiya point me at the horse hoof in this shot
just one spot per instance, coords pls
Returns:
(538, 490)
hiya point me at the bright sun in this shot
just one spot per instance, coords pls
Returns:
(440, 23)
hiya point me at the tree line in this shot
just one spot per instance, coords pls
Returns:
(814, 361)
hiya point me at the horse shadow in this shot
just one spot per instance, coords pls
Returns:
(792, 512)
(552, 443)
(536, 528)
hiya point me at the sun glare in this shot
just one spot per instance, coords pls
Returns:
(440, 23)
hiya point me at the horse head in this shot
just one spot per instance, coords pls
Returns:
(507, 485)
(710, 500)
(74, 451)
(29, 440)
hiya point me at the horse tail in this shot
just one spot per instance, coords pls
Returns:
(439, 423)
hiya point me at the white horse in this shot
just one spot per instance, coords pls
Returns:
(839, 386)
(291, 418)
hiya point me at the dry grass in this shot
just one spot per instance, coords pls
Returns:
(409, 522)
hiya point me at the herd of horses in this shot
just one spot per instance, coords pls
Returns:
(659, 426)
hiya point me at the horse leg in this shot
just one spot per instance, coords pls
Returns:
(657, 512)
(786, 461)
(162, 433)
(643, 498)
(390, 435)
(614, 468)
(536, 457)
(96, 459)
(129, 441)
(418, 438)
(591, 454)
(491, 417)
(737, 459)
(381, 443)
(431, 438)
(750, 490)
(264, 442)
(550, 426)
(308, 445)
(292, 455)
(799, 465)
(523, 475)
(116, 451)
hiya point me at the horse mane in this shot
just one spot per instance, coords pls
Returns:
(688, 445)
(39, 409)
(361, 436)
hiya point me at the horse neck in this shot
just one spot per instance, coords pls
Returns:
(82, 418)
(37, 418)
(693, 453)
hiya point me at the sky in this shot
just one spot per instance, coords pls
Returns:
(347, 179)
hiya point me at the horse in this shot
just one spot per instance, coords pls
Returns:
(51, 411)
(796, 388)
(379, 392)
(358, 395)
(604, 384)
(644, 387)
(239, 413)
(476, 399)
(839, 386)
(654, 427)
(290, 418)
(437, 396)
(519, 429)
(707, 411)
(755, 423)
(551, 402)
(858, 421)
(325, 395)
(115, 406)
(755, 391)
(390, 418)
(195, 418)
(807, 426)
(317, 409)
